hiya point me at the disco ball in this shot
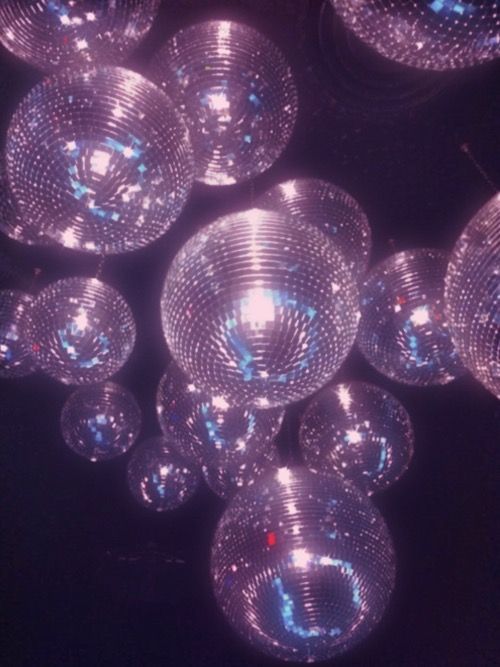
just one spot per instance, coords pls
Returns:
(81, 330)
(259, 309)
(472, 295)
(435, 34)
(15, 349)
(53, 34)
(98, 160)
(158, 477)
(360, 432)
(237, 93)
(331, 209)
(206, 430)
(403, 332)
(100, 422)
(302, 565)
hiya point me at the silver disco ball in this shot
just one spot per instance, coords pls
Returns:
(16, 359)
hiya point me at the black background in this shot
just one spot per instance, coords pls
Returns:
(90, 578)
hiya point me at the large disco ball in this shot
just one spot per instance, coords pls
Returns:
(359, 431)
(237, 93)
(100, 422)
(53, 34)
(98, 160)
(158, 477)
(259, 309)
(431, 34)
(331, 209)
(403, 331)
(302, 565)
(206, 429)
(15, 349)
(81, 330)
(473, 295)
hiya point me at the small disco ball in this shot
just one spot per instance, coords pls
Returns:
(302, 565)
(331, 209)
(403, 332)
(100, 422)
(81, 330)
(358, 431)
(237, 93)
(259, 309)
(52, 34)
(98, 160)
(158, 477)
(472, 295)
(436, 34)
(15, 349)
(206, 430)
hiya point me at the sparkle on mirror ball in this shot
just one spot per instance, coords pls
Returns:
(428, 34)
(237, 93)
(403, 332)
(101, 421)
(15, 350)
(52, 34)
(81, 330)
(358, 431)
(98, 160)
(259, 309)
(302, 565)
(473, 295)
(158, 477)
(325, 205)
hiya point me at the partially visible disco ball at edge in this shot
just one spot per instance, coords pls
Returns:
(16, 359)
(53, 34)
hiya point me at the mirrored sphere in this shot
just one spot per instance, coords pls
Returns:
(331, 209)
(98, 160)
(435, 34)
(158, 477)
(53, 34)
(15, 349)
(358, 431)
(81, 330)
(259, 309)
(101, 421)
(237, 93)
(403, 332)
(473, 295)
(302, 565)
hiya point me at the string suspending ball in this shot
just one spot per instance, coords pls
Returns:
(436, 34)
(302, 565)
(53, 34)
(15, 350)
(81, 330)
(98, 160)
(473, 295)
(259, 308)
(359, 431)
(327, 206)
(158, 477)
(403, 331)
(237, 93)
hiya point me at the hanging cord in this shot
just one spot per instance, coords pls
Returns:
(100, 267)
(465, 148)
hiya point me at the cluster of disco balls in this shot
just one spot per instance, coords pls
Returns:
(259, 309)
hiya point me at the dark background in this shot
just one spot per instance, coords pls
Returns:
(90, 578)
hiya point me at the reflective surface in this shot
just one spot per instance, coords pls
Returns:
(358, 431)
(100, 422)
(15, 349)
(237, 93)
(473, 295)
(259, 309)
(53, 34)
(98, 160)
(158, 477)
(430, 34)
(81, 330)
(302, 565)
(403, 331)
